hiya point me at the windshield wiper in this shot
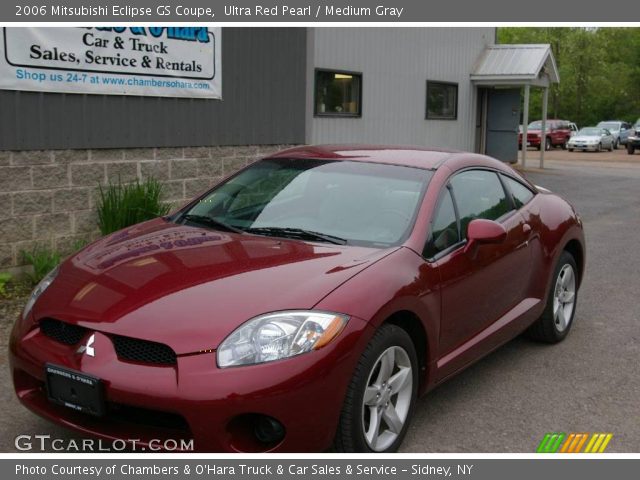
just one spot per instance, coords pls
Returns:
(299, 233)
(211, 222)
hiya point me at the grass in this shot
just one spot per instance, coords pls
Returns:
(5, 277)
(122, 205)
(43, 260)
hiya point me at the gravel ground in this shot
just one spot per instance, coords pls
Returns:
(510, 399)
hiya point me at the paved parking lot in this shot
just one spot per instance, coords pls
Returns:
(507, 401)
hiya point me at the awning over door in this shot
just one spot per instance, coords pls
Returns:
(523, 65)
(516, 65)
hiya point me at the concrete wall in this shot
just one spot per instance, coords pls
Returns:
(395, 64)
(48, 197)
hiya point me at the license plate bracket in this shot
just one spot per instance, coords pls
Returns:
(75, 390)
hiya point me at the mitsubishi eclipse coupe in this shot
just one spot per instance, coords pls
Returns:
(303, 304)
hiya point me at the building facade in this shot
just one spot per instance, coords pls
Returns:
(282, 86)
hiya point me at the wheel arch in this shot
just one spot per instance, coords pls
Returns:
(577, 252)
(413, 325)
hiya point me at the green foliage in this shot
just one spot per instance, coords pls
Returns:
(599, 72)
(79, 244)
(43, 260)
(5, 277)
(122, 205)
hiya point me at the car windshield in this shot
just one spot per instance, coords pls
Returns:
(609, 125)
(590, 131)
(537, 125)
(346, 202)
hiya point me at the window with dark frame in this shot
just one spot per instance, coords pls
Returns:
(338, 93)
(442, 101)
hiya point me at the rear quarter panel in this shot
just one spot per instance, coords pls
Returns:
(554, 224)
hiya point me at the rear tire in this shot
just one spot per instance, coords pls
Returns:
(611, 147)
(557, 318)
(615, 145)
(382, 394)
(547, 144)
(571, 149)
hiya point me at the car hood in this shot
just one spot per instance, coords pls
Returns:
(584, 138)
(189, 287)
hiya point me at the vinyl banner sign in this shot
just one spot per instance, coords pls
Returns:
(152, 61)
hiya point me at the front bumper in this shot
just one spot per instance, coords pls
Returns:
(584, 147)
(531, 141)
(194, 399)
(634, 142)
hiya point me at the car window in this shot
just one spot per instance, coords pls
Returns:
(521, 194)
(444, 227)
(479, 194)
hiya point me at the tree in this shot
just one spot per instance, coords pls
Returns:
(599, 71)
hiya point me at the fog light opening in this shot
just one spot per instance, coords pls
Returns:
(268, 430)
(254, 433)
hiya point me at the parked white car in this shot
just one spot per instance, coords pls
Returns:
(592, 138)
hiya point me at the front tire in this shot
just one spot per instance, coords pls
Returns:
(630, 149)
(547, 144)
(556, 320)
(381, 396)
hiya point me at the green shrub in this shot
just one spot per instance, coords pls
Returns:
(43, 260)
(122, 205)
(5, 277)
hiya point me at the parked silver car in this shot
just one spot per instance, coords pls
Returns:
(592, 138)
(619, 130)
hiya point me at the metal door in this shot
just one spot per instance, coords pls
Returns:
(503, 119)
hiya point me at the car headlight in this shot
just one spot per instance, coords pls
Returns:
(275, 336)
(39, 290)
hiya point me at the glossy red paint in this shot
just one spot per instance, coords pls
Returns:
(189, 288)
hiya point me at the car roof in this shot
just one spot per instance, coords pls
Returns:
(410, 156)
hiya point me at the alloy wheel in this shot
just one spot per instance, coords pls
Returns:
(564, 297)
(387, 398)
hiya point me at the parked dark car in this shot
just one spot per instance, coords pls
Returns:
(633, 140)
(557, 134)
(305, 302)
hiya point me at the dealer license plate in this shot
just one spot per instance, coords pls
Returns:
(78, 391)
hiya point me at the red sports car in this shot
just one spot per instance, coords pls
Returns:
(302, 304)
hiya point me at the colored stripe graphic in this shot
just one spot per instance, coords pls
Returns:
(550, 443)
(555, 442)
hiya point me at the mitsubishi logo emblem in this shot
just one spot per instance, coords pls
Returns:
(88, 347)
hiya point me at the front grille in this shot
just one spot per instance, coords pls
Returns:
(126, 348)
(62, 332)
(143, 351)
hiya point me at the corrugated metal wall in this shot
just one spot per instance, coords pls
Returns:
(396, 63)
(263, 88)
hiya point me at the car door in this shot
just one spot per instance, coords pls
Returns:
(624, 132)
(481, 285)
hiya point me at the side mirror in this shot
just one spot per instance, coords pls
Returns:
(482, 231)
